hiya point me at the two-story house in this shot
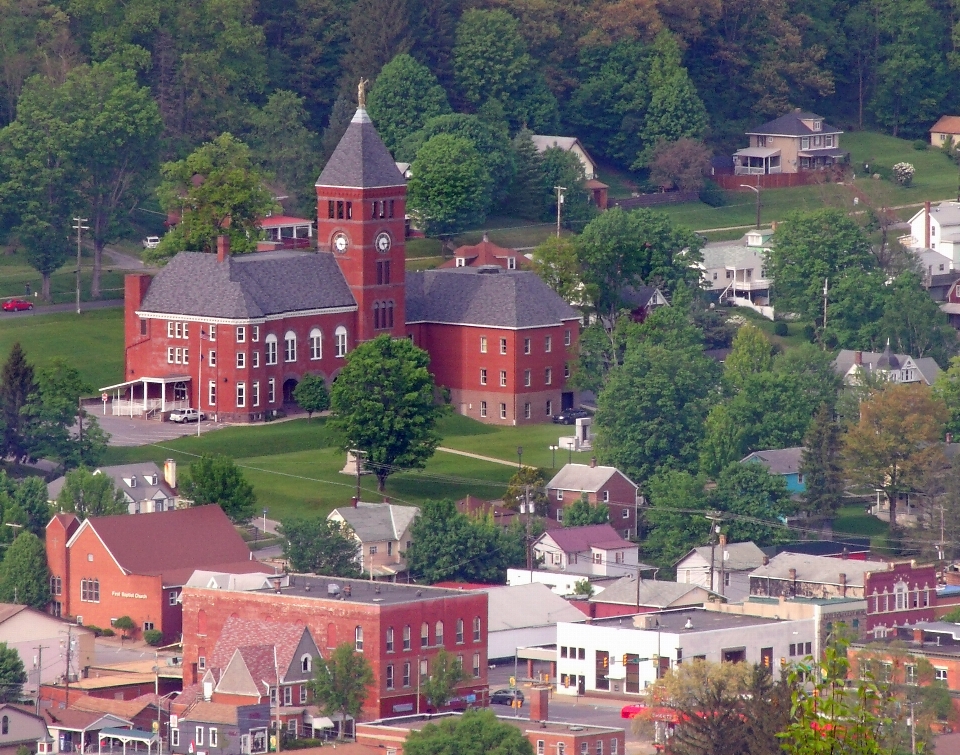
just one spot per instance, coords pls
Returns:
(382, 531)
(783, 462)
(895, 368)
(145, 489)
(738, 268)
(598, 484)
(593, 550)
(792, 143)
(724, 569)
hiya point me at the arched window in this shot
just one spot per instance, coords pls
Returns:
(316, 344)
(290, 347)
(438, 633)
(271, 346)
(376, 315)
(341, 334)
(358, 639)
(306, 663)
(424, 634)
(5, 725)
(389, 322)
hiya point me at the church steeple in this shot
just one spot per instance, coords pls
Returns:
(361, 201)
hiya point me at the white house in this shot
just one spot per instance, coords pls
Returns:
(567, 144)
(732, 564)
(145, 488)
(594, 550)
(936, 228)
(627, 654)
(737, 269)
(383, 532)
(897, 368)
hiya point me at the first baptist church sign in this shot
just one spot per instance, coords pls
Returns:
(137, 595)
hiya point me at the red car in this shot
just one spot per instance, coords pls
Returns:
(16, 305)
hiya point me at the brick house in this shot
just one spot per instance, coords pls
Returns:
(398, 627)
(600, 485)
(112, 566)
(233, 335)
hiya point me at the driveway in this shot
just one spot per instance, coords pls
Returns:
(138, 432)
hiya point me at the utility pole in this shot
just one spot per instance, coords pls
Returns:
(559, 190)
(66, 691)
(79, 227)
(913, 730)
(826, 290)
(39, 649)
(714, 517)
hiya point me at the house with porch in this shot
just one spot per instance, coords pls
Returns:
(285, 232)
(382, 531)
(736, 270)
(76, 731)
(793, 143)
(852, 364)
(145, 488)
(594, 550)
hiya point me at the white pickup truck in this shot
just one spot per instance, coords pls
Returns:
(187, 415)
(151, 242)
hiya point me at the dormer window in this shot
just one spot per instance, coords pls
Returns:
(817, 125)
(151, 479)
(306, 663)
(131, 481)
(511, 263)
(461, 261)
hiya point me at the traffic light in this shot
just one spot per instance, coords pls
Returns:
(624, 659)
(606, 661)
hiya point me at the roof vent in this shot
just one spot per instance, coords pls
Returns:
(333, 589)
(689, 624)
(576, 728)
(488, 269)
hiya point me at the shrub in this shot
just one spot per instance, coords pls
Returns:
(809, 332)
(711, 194)
(921, 145)
(153, 637)
(780, 328)
(903, 173)
(107, 632)
(97, 631)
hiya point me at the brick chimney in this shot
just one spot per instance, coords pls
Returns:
(926, 225)
(793, 575)
(223, 248)
(843, 585)
(170, 473)
(353, 502)
(918, 636)
(539, 702)
(858, 357)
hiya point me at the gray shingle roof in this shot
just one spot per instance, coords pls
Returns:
(818, 569)
(792, 124)
(778, 461)
(927, 366)
(361, 159)
(652, 593)
(143, 491)
(247, 286)
(376, 522)
(583, 477)
(480, 296)
(739, 556)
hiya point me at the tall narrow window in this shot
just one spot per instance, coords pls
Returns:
(290, 347)
(271, 390)
(358, 639)
(389, 642)
(316, 344)
(406, 637)
(331, 213)
(391, 208)
(476, 629)
(341, 336)
(241, 395)
(241, 334)
(256, 394)
(212, 393)
(271, 349)
(424, 635)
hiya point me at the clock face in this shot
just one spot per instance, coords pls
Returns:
(340, 242)
(383, 242)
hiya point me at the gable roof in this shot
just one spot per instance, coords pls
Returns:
(484, 296)
(9, 610)
(171, 542)
(584, 477)
(582, 539)
(818, 569)
(142, 491)
(485, 253)
(947, 214)
(530, 605)
(736, 556)
(780, 461)
(212, 713)
(247, 286)
(948, 124)
(238, 633)
(653, 593)
(361, 159)
(566, 143)
(792, 124)
(376, 522)
(873, 360)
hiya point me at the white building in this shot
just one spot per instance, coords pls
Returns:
(627, 654)
(567, 144)
(738, 268)
(731, 562)
(560, 582)
(896, 368)
(594, 550)
(936, 228)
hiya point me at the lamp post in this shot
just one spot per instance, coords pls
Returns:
(519, 458)
(756, 190)
(553, 452)
(264, 522)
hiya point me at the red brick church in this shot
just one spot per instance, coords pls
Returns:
(233, 335)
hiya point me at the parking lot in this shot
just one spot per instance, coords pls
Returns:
(125, 431)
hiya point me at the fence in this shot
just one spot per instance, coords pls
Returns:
(770, 181)
(652, 200)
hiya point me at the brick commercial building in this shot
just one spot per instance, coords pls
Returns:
(399, 629)
(233, 335)
(901, 595)
(112, 566)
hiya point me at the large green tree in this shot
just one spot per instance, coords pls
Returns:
(12, 674)
(821, 465)
(476, 732)
(215, 478)
(383, 406)
(321, 546)
(753, 496)
(582, 513)
(24, 577)
(16, 386)
(751, 353)
(671, 523)
(563, 168)
(341, 682)
(311, 394)
(89, 494)
(404, 97)
(449, 190)
(440, 686)
(217, 190)
(947, 388)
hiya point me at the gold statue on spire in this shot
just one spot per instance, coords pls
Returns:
(362, 92)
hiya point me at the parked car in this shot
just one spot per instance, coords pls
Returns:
(151, 242)
(570, 416)
(506, 696)
(187, 415)
(16, 305)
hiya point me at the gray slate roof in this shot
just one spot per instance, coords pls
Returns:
(927, 366)
(792, 124)
(818, 569)
(247, 286)
(143, 490)
(778, 461)
(377, 522)
(740, 556)
(583, 477)
(361, 159)
(652, 593)
(482, 296)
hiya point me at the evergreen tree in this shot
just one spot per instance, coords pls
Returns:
(821, 465)
(16, 386)
(24, 577)
(528, 198)
(343, 109)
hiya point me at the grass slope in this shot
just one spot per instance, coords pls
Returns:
(15, 273)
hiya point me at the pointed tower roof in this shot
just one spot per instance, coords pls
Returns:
(888, 360)
(361, 159)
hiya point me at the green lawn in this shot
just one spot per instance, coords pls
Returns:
(15, 273)
(91, 342)
(512, 233)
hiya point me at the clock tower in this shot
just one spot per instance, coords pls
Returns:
(361, 200)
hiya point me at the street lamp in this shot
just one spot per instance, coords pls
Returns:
(264, 522)
(756, 190)
(553, 451)
(519, 458)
